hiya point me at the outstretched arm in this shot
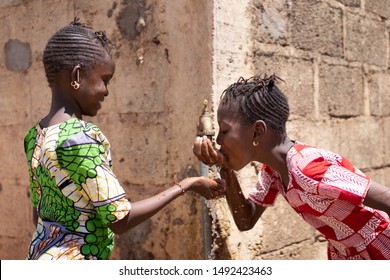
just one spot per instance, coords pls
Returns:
(145, 209)
(378, 197)
(244, 211)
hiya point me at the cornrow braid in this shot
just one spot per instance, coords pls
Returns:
(260, 99)
(74, 44)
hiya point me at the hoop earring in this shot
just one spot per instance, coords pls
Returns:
(75, 85)
(255, 143)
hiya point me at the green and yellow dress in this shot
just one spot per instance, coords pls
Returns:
(74, 190)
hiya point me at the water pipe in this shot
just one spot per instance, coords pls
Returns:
(205, 128)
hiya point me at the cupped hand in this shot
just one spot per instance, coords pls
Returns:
(208, 188)
(205, 152)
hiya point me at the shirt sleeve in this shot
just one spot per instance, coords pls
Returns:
(334, 178)
(265, 191)
(29, 145)
(86, 158)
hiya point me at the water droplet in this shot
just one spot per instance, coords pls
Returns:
(211, 204)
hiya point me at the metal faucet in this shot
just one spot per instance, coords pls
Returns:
(205, 125)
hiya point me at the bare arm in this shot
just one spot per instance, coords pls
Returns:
(378, 197)
(145, 209)
(244, 211)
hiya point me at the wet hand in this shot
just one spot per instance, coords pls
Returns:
(205, 152)
(208, 188)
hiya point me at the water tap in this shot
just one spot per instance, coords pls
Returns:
(206, 128)
(205, 124)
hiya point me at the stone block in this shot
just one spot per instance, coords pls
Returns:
(270, 21)
(317, 26)
(377, 175)
(366, 40)
(281, 225)
(378, 87)
(386, 177)
(350, 3)
(340, 136)
(321, 133)
(310, 249)
(361, 141)
(341, 91)
(8, 3)
(231, 44)
(386, 139)
(379, 7)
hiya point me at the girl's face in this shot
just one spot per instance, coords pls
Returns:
(235, 138)
(93, 87)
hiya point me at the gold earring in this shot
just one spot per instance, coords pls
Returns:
(255, 143)
(75, 85)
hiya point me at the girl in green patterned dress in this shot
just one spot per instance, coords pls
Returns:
(78, 202)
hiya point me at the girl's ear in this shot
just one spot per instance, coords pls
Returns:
(75, 74)
(260, 129)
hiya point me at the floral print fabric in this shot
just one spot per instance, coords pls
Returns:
(74, 190)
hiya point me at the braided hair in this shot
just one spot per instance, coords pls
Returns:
(259, 99)
(74, 44)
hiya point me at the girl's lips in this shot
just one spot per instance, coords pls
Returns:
(225, 156)
(223, 153)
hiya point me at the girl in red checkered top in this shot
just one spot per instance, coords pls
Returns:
(324, 188)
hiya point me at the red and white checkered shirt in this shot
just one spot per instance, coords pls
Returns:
(328, 192)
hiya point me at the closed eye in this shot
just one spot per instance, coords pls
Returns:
(106, 79)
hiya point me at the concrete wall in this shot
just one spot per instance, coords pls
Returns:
(334, 59)
(333, 56)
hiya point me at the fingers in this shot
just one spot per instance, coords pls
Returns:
(197, 147)
(217, 188)
(198, 150)
(206, 187)
(204, 150)
(221, 185)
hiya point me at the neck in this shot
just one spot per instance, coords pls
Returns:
(276, 159)
(61, 110)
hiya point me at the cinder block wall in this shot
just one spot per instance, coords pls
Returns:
(334, 59)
